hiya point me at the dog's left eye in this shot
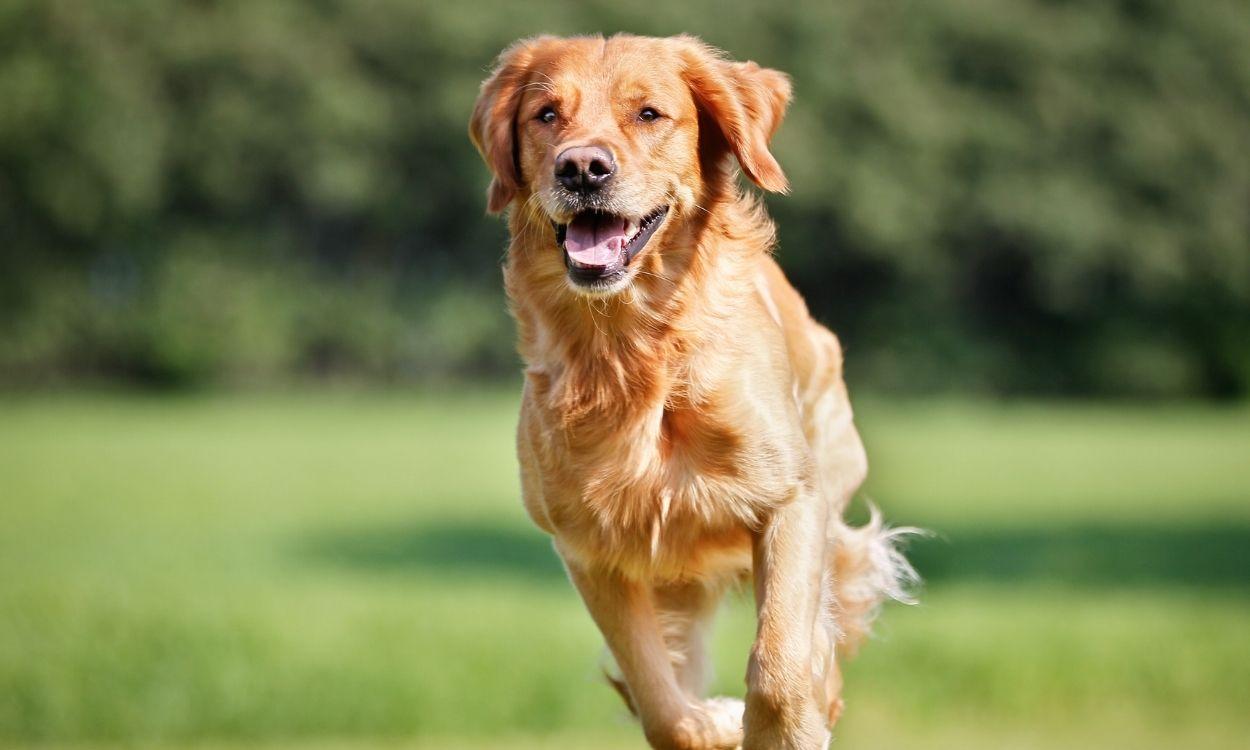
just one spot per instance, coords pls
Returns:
(648, 114)
(546, 115)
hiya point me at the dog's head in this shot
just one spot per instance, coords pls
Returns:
(616, 141)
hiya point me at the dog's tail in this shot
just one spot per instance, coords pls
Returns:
(868, 568)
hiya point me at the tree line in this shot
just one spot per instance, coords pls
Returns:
(1000, 196)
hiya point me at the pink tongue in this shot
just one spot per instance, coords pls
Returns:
(595, 240)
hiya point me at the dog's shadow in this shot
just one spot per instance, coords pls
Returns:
(445, 547)
(1215, 555)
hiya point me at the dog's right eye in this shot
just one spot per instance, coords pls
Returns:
(546, 115)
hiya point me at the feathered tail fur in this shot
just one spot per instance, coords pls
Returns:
(868, 568)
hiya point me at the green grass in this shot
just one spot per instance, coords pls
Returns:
(349, 571)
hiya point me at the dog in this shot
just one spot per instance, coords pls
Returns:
(684, 422)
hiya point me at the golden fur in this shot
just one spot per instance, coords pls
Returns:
(691, 427)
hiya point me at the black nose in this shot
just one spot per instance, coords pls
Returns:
(585, 169)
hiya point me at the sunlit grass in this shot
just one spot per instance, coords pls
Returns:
(352, 570)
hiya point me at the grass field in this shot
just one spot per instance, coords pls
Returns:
(345, 571)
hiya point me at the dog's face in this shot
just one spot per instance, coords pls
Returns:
(614, 142)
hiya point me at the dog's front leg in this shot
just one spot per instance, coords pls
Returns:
(781, 710)
(671, 719)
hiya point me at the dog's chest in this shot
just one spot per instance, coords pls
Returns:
(672, 493)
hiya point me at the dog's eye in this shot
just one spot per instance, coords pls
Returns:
(546, 115)
(648, 114)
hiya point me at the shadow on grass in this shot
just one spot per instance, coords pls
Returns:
(442, 547)
(1208, 556)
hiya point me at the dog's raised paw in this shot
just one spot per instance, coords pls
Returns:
(726, 713)
(714, 724)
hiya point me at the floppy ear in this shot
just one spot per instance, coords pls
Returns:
(492, 128)
(746, 102)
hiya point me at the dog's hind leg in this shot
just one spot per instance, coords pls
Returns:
(626, 614)
(826, 652)
(686, 611)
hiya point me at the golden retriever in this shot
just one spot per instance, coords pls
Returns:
(684, 422)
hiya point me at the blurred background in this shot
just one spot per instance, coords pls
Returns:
(258, 385)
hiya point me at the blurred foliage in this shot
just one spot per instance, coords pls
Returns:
(996, 195)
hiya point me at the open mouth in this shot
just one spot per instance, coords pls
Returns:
(599, 246)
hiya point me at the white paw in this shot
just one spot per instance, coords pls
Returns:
(726, 715)
(714, 724)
